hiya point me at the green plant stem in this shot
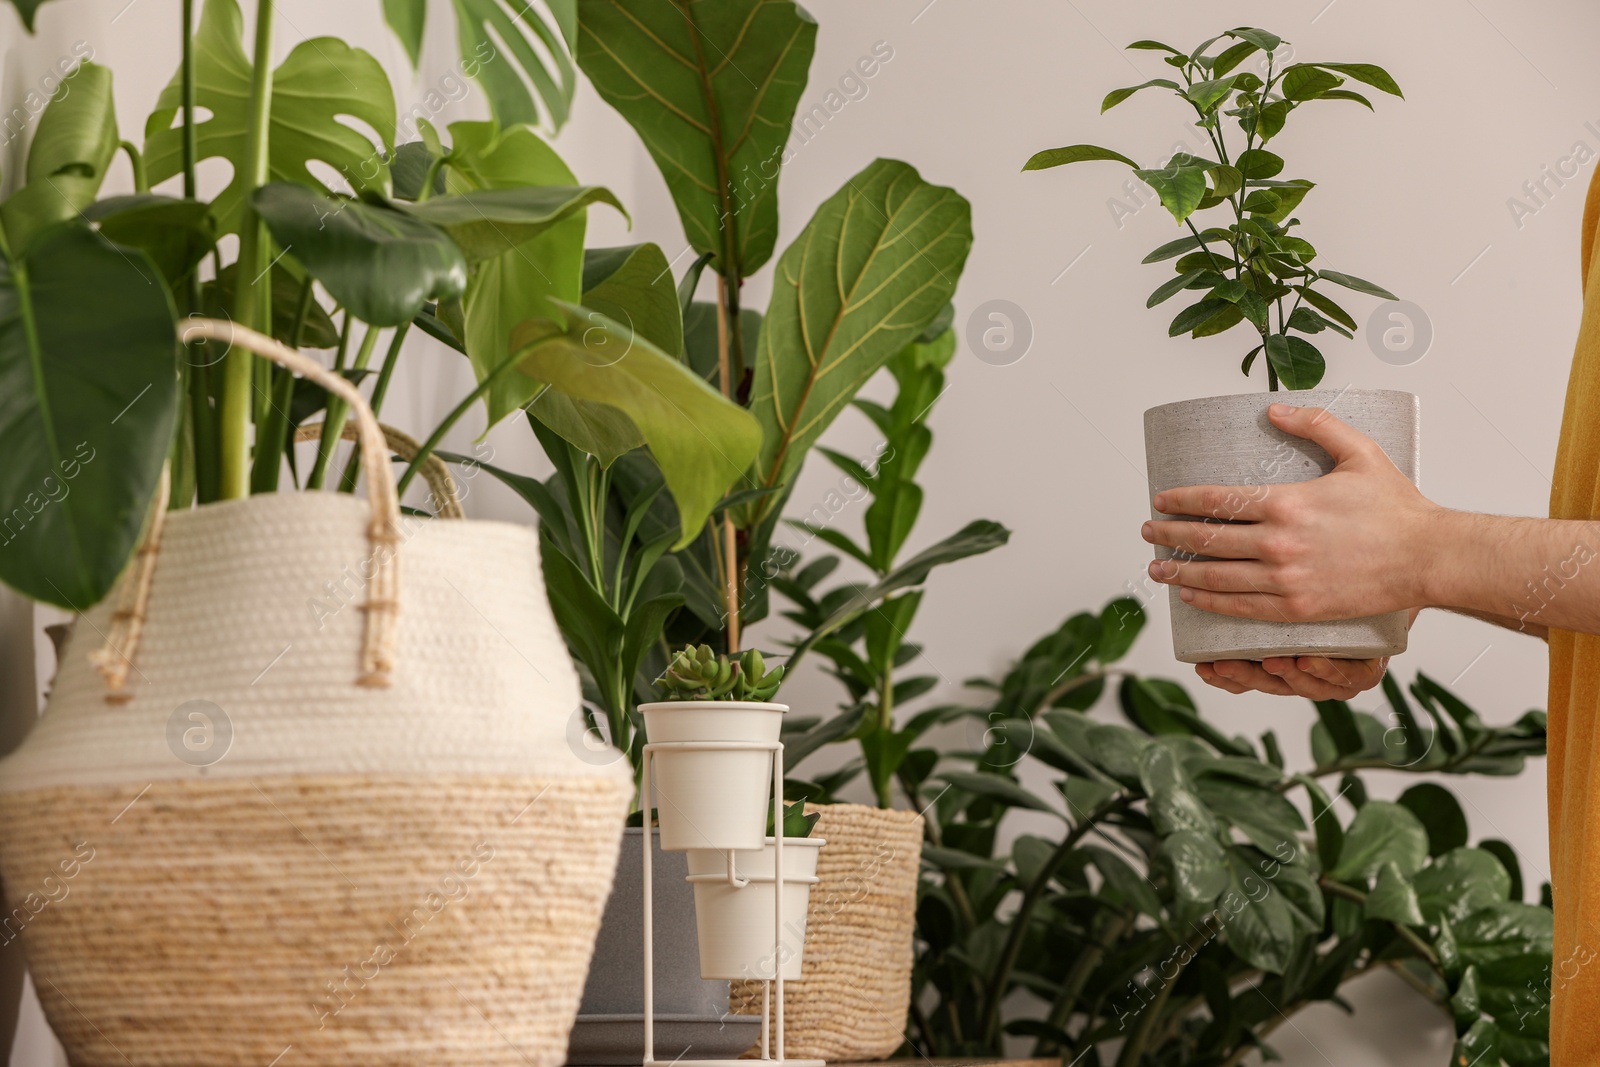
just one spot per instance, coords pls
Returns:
(1078, 977)
(186, 76)
(1133, 1048)
(272, 422)
(141, 183)
(434, 166)
(338, 412)
(995, 995)
(352, 468)
(252, 305)
(1406, 934)
(455, 416)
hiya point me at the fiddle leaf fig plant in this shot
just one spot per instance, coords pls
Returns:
(1248, 266)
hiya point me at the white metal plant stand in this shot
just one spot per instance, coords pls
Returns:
(738, 882)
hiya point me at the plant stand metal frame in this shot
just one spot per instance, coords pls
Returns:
(770, 1019)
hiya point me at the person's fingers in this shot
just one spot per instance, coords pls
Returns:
(1360, 674)
(1341, 440)
(1227, 540)
(1304, 684)
(1209, 675)
(1263, 606)
(1252, 677)
(1212, 501)
(1218, 576)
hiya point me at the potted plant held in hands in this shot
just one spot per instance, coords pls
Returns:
(1251, 270)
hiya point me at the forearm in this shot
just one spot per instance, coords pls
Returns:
(1525, 574)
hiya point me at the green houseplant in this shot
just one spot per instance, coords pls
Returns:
(1185, 905)
(1253, 270)
(472, 235)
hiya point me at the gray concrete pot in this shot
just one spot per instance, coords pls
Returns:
(1228, 440)
(691, 1014)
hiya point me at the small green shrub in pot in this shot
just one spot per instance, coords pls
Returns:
(1251, 271)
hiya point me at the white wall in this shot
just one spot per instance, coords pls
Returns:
(1415, 197)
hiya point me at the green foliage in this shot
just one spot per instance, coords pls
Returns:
(797, 822)
(1186, 905)
(1243, 268)
(703, 674)
(67, 160)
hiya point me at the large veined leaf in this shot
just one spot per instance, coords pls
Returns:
(521, 284)
(322, 80)
(88, 389)
(538, 60)
(874, 266)
(633, 285)
(711, 86)
(701, 441)
(379, 262)
(491, 222)
(67, 161)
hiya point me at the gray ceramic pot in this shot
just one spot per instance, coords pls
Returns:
(1228, 440)
(691, 1013)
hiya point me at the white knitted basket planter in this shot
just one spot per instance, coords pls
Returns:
(249, 857)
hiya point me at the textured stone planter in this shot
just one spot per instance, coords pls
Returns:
(1228, 440)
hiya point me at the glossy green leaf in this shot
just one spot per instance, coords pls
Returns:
(380, 263)
(88, 391)
(1440, 814)
(874, 266)
(1258, 163)
(1117, 96)
(1461, 882)
(1360, 285)
(1302, 82)
(322, 81)
(700, 440)
(1368, 74)
(1075, 153)
(492, 222)
(632, 285)
(407, 18)
(1263, 815)
(1393, 898)
(1382, 832)
(1267, 918)
(1180, 185)
(175, 234)
(998, 788)
(711, 88)
(67, 159)
(1297, 361)
(1199, 865)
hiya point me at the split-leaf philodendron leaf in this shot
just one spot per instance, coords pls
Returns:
(322, 80)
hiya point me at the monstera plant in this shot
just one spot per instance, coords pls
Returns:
(474, 235)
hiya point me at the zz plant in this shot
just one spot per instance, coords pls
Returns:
(1180, 893)
(1248, 266)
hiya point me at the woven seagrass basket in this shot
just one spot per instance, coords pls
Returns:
(302, 793)
(851, 999)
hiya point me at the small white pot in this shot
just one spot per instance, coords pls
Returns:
(712, 798)
(1228, 441)
(738, 939)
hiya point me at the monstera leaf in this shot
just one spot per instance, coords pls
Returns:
(483, 27)
(711, 87)
(322, 80)
(874, 266)
(376, 260)
(67, 161)
(88, 389)
(701, 441)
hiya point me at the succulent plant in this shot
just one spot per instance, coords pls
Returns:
(698, 673)
(796, 821)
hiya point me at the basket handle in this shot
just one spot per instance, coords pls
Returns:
(446, 497)
(383, 531)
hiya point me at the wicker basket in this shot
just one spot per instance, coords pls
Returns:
(324, 814)
(855, 987)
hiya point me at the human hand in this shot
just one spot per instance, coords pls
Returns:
(1349, 544)
(1312, 677)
